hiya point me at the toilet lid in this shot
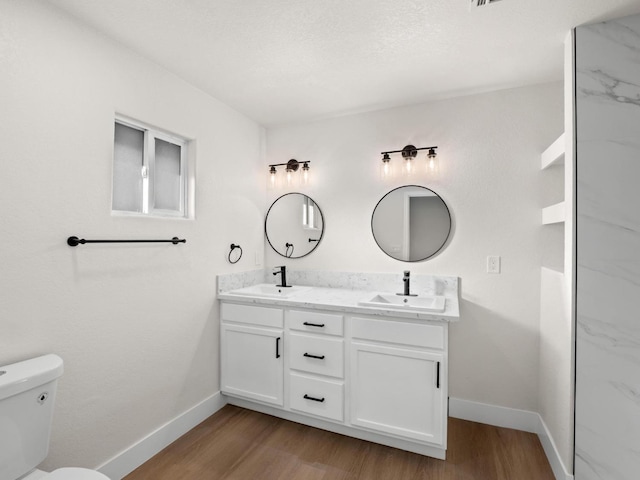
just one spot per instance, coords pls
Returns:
(75, 474)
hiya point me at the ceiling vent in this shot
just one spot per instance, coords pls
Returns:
(482, 3)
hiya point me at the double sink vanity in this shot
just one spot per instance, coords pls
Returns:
(364, 355)
(352, 354)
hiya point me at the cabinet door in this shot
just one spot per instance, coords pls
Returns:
(251, 363)
(398, 391)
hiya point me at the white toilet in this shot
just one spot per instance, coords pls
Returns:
(27, 396)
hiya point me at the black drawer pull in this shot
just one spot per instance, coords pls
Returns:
(278, 347)
(309, 324)
(307, 397)
(319, 357)
(438, 375)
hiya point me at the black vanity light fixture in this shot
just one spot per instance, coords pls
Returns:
(408, 154)
(291, 172)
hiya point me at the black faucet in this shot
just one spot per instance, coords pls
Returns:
(283, 276)
(406, 279)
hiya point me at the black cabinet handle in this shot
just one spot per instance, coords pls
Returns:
(278, 347)
(437, 374)
(319, 357)
(309, 324)
(307, 397)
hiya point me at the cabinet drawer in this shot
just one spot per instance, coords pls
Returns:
(404, 333)
(253, 315)
(319, 397)
(315, 322)
(314, 354)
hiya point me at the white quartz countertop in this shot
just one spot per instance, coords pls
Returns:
(346, 301)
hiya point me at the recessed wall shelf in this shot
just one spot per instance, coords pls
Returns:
(554, 155)
(553, 214)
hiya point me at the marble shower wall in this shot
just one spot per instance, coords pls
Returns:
(608, 251)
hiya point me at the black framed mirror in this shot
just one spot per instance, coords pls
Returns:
(294, 225)
(411, 223)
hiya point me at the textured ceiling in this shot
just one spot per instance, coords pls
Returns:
(284, 61)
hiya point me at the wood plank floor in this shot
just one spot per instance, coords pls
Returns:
(239, 444)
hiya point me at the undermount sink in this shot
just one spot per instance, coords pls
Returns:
(266, 290)
(418, 303)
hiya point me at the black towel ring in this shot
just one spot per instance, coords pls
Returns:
(233, 247)
(286, 251)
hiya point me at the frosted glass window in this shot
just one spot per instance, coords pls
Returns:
(167, 176)
(149, 171)
(128, 154)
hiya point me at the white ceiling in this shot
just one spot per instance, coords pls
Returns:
(284, 61)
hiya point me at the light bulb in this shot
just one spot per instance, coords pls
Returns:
(408, 153)
(385, 169)
(432, 161)
(272, 177)
(305, 173)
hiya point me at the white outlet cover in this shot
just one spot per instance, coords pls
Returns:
(493, 264)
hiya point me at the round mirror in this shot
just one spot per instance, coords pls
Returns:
(411, 223)
(294, 225)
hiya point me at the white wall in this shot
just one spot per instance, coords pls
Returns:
(489, 150)
(136, 325)
(557, 287)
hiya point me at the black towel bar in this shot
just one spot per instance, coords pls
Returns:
(75, 241)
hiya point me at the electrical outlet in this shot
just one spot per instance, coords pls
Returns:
(493, 264)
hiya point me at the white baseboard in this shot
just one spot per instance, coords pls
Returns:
(131, 458)
(558, 467)
(494, 415)
(512, 418)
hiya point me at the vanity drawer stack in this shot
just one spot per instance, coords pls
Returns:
(315, 346)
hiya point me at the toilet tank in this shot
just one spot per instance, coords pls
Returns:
(27, 396)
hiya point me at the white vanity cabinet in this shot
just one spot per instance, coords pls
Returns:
(398, 378)
(251, 346)
(382, 379)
